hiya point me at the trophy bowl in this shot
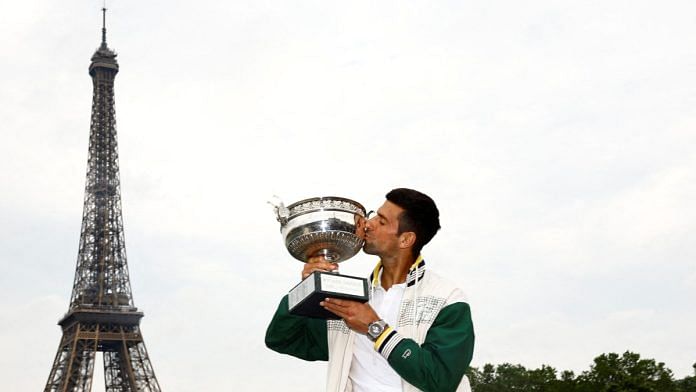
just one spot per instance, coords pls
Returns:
(328, 226)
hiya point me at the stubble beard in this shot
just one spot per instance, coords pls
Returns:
(369, 249)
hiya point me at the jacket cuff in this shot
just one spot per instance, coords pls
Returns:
(387, 341)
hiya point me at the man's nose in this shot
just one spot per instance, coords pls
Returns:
(368, 224)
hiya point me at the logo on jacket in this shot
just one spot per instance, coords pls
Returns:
(406, 353)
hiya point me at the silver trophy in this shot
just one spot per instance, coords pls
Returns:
(332, 227)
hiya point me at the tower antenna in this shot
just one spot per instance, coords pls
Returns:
(104, 24)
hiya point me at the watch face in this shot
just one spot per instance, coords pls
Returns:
(376, 329)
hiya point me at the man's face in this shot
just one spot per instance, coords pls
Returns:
(381, 235)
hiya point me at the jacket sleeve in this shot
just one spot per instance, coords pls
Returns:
(301, 337)
(440, 362)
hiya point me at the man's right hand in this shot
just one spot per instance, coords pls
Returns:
(318, 263)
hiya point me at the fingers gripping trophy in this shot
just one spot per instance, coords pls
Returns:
(328, 227)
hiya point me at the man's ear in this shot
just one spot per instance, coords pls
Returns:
(407, 239)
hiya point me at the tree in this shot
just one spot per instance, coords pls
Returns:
(626, 373)
(687, 384)
(509, 377)
(608, 373)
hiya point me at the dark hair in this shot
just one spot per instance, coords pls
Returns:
(420, 215)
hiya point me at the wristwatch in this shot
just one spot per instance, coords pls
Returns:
(375, 328)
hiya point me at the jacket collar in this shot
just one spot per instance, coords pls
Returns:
(417, 270)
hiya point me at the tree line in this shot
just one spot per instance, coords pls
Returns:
(608, 373)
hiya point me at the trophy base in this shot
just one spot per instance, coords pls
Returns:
(303, 299)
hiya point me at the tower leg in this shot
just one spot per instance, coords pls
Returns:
(127, 367)
(74, 363)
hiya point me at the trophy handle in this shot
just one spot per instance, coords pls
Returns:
(282, 213)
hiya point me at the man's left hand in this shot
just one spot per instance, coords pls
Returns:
(357, 315)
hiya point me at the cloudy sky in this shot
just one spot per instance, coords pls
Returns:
(558, 139)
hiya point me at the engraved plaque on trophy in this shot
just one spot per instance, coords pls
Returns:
(332, 227)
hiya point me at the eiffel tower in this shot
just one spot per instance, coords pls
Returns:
(102, 316)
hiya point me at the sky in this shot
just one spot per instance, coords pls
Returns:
(557, 138)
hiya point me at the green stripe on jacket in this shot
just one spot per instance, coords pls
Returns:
(301, 337)
(440, 362)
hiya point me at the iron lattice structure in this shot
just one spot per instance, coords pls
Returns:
(102, 316)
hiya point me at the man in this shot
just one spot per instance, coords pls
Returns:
(414, 334)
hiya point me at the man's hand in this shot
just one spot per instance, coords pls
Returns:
(357, 315)
(318, 263)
